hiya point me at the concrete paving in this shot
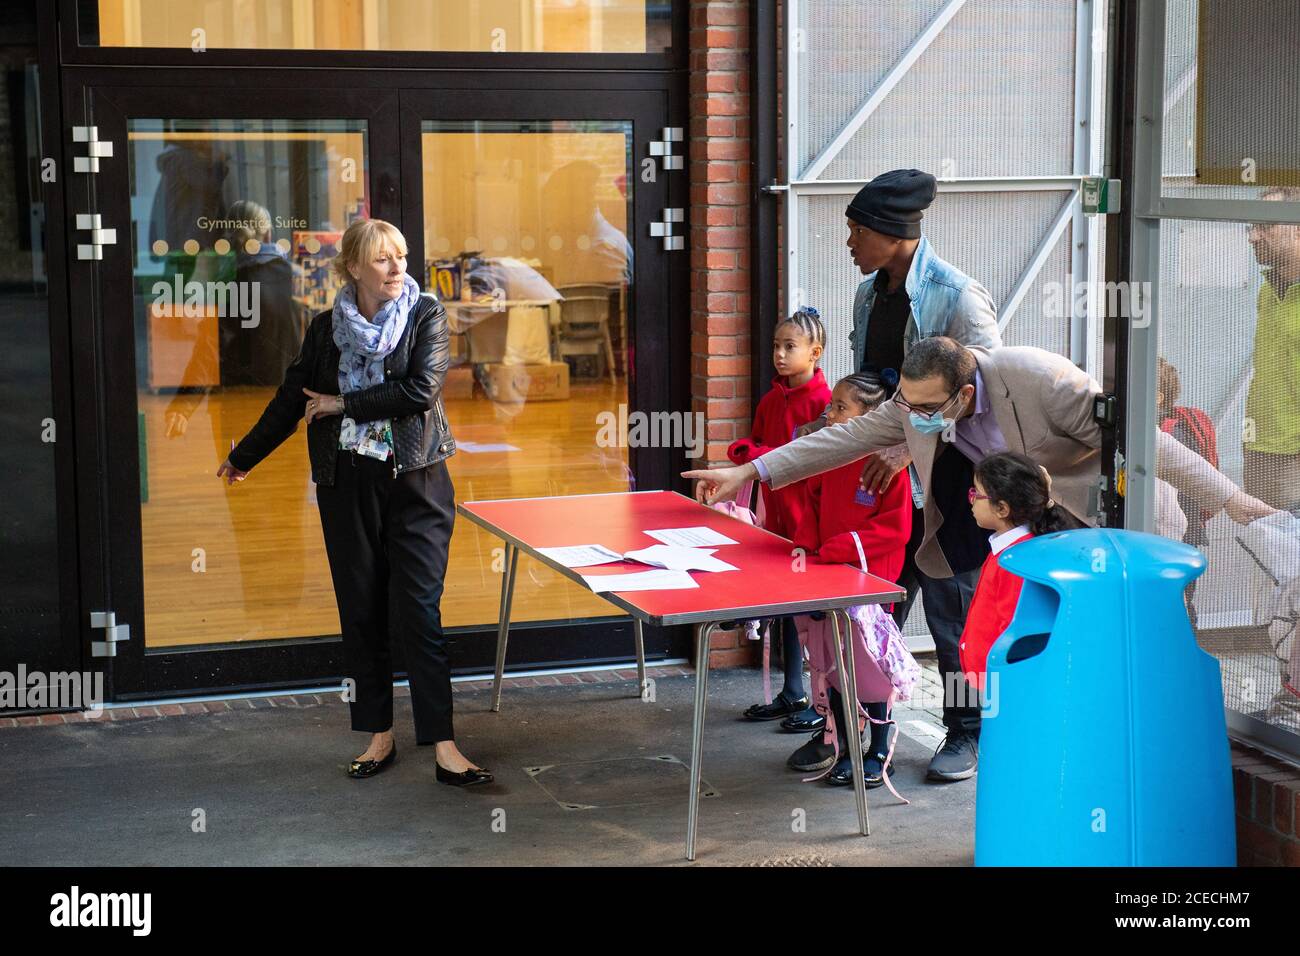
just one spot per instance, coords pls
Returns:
(586, 775)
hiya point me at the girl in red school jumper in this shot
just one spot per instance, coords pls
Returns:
(845, 524)
(798, 395)
(1012, 498)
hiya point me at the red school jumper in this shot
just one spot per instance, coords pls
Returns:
(779, 413)
(837, 506)
(991, 609)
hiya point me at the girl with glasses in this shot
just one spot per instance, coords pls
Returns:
(1012, 498)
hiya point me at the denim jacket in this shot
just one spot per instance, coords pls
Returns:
(945, 301)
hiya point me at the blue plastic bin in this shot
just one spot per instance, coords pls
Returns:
(1103, 740)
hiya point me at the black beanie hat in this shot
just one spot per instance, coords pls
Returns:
(894, 202)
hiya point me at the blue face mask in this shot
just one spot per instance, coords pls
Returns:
(932, 423)
(929, 424)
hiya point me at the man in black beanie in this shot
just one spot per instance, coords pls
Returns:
(909, 294)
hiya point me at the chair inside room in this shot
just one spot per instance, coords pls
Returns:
(584, 326)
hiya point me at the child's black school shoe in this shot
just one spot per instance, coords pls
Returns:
(782, 706)
(872, 771)
(814, 755)
(807, 721)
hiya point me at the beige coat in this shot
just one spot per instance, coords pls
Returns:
(1043, 405)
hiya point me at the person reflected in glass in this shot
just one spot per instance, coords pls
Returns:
(594, 250)
(246, 339)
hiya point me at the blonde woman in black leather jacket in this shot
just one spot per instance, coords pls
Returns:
(368, 383)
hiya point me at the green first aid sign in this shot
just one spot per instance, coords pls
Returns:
(1100, 197)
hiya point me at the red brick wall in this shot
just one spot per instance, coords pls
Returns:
(720, 238)
(1267, 795)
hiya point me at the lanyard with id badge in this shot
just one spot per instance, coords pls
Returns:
(374, 441)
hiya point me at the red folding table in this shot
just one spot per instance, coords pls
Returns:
(773, 580)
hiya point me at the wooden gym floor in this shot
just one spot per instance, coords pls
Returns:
(247, 563)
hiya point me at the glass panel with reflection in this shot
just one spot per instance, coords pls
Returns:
(526, 233)
(466, 26)
(233, 226)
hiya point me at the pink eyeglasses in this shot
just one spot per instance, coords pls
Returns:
(973, 496)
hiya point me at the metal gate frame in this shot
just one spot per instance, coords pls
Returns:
(1088, 107)
(1138, 442)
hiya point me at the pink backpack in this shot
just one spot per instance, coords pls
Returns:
(754, 630)
(884, 668)
(739, 509)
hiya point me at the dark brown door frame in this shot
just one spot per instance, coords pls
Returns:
(109, 547)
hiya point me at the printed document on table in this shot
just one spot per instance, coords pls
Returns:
(700, 537)
(640, 581)
(582, 555)
(680, 559)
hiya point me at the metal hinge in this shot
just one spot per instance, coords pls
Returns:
(113, 632)
(99, 236)
(664, 229)
(96, 149)
(663, 147)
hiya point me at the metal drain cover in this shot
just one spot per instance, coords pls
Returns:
(810, 860)
(616, 782)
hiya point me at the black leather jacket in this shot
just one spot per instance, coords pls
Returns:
(411, 396)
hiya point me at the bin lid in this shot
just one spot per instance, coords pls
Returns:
(1067, 560)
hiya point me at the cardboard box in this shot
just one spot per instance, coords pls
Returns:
(458, 384)
(459, 349)
(546, 382)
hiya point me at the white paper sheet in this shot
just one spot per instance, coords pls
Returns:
(679, 559)
(581, 555)
(474, 447)
(700, 537)
(640, 581)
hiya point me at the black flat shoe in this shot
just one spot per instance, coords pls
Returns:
(472, 776)
(782, 706)
(807, 721)
(842, 774)
(368, 768)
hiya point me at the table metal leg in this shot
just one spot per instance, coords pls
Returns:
(843, 629)
(503, 622)
(640, 657)
(697, 731)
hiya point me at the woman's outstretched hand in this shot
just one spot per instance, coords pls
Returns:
(230, 472)
(720, 484)
(319, 405)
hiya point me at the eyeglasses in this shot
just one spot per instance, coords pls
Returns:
(973, 496)
(920, 410)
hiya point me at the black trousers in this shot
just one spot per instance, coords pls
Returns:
(946, 601)
(387, 538)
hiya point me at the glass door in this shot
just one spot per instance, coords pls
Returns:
(530, 213)
(206, 226)
(206, 222)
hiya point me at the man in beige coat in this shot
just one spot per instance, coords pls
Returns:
(1013, 398)
(972, 402)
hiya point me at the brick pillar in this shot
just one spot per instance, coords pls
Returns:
(1267, 792)
(719, 216)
